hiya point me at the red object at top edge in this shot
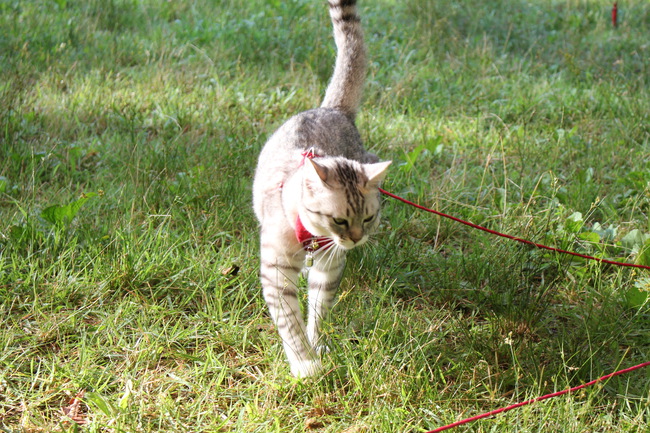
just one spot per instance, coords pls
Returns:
(615, 14)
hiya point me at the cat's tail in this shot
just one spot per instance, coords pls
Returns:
(344, 90)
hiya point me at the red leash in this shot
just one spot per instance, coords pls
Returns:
(514, 238)
(525, 241)
(544, 397)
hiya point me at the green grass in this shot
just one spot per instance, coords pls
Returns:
(129, 134)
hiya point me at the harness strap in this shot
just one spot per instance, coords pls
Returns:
(310, 242)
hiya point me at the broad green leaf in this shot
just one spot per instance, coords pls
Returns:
(63, 215)
(574, 222)
(590, 237)
(606, 234)
(635, 297)
(100, 402)
(644, 254)
(634, 239)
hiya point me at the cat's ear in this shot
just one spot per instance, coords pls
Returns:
(376, 173)
(315, 170)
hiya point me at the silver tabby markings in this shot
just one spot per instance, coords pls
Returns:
(350, 179)
(334, 196)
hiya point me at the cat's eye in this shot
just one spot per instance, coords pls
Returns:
(340, 221)
(370, 218)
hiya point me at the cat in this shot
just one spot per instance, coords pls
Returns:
(316, 196)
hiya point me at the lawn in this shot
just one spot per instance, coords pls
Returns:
(129, 292)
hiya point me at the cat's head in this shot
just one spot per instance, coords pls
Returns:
(340, 199)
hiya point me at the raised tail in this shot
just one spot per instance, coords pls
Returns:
(345, 88)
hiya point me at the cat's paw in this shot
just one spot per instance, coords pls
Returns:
(306, 368)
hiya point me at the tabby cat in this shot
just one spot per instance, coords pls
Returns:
(316, 195)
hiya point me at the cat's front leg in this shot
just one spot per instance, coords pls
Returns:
(279, 275)
(324, 279)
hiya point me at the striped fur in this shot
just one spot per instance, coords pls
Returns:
(346, 85)
(335, 195)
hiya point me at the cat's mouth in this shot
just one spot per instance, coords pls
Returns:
(349, 244)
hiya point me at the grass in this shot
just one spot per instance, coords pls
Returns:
(129, 133)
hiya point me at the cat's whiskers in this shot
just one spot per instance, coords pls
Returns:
(372, 241)
(329, 254)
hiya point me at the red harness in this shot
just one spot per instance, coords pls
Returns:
(307, 154)
(310, 242)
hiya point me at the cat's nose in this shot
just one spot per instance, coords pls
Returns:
(356, 235)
